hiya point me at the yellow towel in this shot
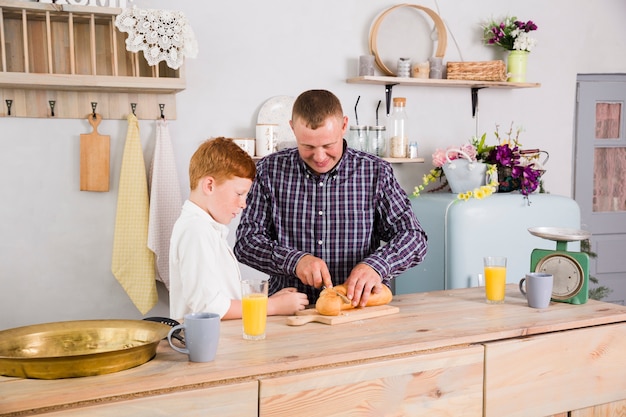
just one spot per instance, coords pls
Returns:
(133, 262)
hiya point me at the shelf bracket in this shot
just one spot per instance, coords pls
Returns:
(388, 89)
(475, 100)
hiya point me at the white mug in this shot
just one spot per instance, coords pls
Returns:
(202, 335)
(266, 138)
(247, 144)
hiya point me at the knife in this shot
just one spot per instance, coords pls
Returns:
(345, 299)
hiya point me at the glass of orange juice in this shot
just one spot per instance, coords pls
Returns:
(495, 279)
(254, 308)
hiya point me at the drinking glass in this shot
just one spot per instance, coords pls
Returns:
(495, 279)
(254, 308)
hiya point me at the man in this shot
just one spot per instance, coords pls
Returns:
(317, 214)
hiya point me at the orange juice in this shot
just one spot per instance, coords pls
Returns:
(254, 314)
(495, 283)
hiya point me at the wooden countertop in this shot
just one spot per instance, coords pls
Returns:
(426, 321)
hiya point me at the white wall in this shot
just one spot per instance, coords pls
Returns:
(55, 241)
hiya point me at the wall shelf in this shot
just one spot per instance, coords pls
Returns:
(390, 82)
(75, 55)
(430, 82)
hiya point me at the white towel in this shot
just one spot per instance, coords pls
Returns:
(165, 201)
(133, 262)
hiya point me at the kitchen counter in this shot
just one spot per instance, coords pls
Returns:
(444, 353)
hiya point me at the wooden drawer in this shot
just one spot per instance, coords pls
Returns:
(553, 373)
(236, 400)
(441, 383)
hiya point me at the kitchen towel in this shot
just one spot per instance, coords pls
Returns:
(133, 261)
(165, 201)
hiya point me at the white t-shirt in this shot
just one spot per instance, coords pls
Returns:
(204, 273)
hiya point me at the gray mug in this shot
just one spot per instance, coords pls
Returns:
(202, 334)
(537, 288)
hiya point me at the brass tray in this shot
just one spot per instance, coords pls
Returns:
(78, 348)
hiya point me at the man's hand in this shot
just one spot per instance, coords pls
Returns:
(313, 271)
(363, 281)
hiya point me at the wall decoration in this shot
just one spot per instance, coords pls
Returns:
(162, 35)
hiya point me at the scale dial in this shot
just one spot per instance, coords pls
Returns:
(567, 272)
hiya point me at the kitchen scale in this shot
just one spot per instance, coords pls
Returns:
(570, 269)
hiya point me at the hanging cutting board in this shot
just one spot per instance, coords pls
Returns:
(94, 158)
(346, 316)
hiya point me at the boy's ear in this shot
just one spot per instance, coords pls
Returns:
(207, 184)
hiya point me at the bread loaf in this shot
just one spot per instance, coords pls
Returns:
(331, 303)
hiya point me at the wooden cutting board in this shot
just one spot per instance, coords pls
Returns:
(311, 314)
(94, 158)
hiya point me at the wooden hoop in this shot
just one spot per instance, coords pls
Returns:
(442, 34)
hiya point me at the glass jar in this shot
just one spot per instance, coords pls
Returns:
(397, 128)
(377, 141)
(357, 137)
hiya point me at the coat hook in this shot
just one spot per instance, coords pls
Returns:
(162, 107)
(52, 103)
(133, 107)
(94, 104)
(9, 104)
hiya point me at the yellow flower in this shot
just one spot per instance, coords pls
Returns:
(465, 196)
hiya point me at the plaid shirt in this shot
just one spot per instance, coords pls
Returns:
(341, 217)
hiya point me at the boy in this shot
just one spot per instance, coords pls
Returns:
(204, 273)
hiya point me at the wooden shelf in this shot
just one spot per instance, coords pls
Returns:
(405, 160)
(77, 82)
(390, 82)
(429, 82)
(75, 55)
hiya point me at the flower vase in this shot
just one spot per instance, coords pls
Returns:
(516, 66)
(506, 182)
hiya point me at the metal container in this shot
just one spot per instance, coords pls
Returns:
(78, 348)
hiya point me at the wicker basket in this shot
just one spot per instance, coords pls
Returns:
(442, 34)
(477, 71)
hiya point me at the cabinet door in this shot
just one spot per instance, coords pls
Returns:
(235, 400)
(557, 372)
(615, 409)
(443, 383)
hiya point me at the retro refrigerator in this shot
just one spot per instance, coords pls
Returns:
(461, 233)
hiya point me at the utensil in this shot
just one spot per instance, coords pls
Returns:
(170, 322)
(78, 348)
(345, 299)
(94, 158)
(311, 314)
(356, 115)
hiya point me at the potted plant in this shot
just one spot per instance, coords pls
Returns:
(508, 169)
(514, 36)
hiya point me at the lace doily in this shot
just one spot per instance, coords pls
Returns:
(162, 35)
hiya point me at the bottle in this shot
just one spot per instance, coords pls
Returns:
(399, 141)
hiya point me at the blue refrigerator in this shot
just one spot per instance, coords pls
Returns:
(461, 233)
